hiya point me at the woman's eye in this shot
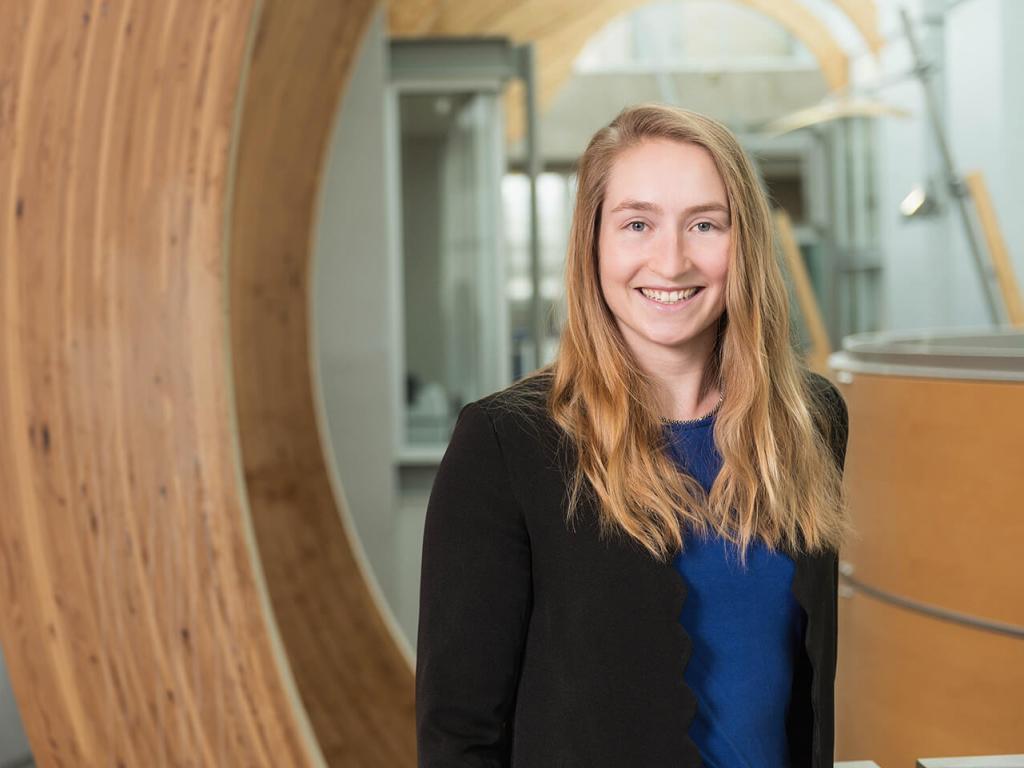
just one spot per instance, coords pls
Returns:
(705, 226)
(636, 226)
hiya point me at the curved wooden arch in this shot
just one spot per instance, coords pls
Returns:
(561, 29)
(142, 145)
(557, 51)
(412, 18)
(355, 682)
(864, 15)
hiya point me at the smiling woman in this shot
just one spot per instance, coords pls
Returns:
(630, 556)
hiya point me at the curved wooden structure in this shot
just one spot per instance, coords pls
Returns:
(864, 15)
(933, 472)
(152, 157)
(356, 684)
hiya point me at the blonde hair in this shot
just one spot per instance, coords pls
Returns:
(779, 481)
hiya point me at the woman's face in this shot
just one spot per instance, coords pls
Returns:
(665, 230)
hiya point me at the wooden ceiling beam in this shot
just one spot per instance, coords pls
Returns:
(469, 18)
(539, 20)
(580, 21)
(560, 31)
(812, 32)
(864, 15)
(412, 18)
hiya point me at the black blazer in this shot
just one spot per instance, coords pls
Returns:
(544, 647)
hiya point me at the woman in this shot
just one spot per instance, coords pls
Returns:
(630, 556)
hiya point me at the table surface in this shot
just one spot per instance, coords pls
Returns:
(982, 761)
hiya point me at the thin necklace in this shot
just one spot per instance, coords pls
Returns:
(699, 418)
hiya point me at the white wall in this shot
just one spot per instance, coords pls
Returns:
(352, 317)
(916, 264)
(986, 83)
(930, 279)
(1008, 192)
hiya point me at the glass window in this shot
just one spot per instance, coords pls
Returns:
(555, 197)
(451, 161)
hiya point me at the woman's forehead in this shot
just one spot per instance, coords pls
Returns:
(662, 174)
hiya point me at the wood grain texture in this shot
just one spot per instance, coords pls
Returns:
(935, 487)
(411, 18)
(355, 682)
(134, 623)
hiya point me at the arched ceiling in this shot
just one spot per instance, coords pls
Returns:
(864, 16)
(560, 28)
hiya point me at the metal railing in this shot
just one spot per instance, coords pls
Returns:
(854, 584)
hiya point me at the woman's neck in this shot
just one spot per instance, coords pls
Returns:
(684, 388)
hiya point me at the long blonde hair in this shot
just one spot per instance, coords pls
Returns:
(779, 481)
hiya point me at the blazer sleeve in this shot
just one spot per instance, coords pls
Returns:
(475, 603)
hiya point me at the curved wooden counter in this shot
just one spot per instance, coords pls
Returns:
(934, 473)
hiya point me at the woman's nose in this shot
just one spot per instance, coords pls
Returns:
(668, 256)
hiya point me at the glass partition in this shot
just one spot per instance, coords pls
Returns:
(556, 192)
(451, 161)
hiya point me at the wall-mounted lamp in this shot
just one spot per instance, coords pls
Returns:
(920, 201)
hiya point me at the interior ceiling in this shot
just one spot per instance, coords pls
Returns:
(559, 29)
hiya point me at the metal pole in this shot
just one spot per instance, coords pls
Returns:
(534, 166)
(952, 180)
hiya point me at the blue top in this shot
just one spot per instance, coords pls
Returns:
(746, 628)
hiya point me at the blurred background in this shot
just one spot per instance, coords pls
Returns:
(425, 243)
(444, 220)
(887, 134)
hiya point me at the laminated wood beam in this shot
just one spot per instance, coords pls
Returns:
(180, 586)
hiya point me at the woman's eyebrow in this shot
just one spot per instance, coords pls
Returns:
(643, 205)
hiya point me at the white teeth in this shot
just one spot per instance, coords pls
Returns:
(668, 297)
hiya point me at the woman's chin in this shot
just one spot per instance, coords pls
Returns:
(675, 339)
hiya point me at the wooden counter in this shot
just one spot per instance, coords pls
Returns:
(931, 646)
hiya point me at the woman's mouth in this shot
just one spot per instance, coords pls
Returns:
(671, 298)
